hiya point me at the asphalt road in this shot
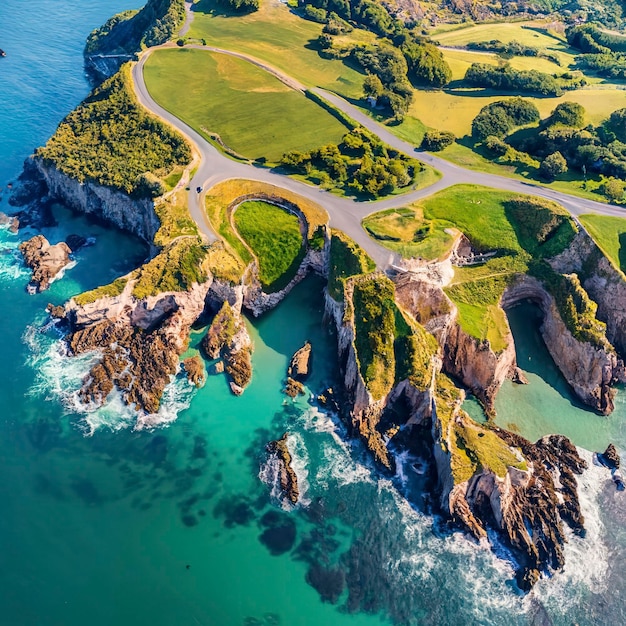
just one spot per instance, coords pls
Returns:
(345, 214)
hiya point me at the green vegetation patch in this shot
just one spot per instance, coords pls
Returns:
(414, 349)
(111, 140)
(130, 31)
(175, 268)
(472, 447)
(610, 235)
(347, 259)
(516, 227)
(374, 322)
(277, 35)
(253, 112)
(105, 291)
(274, 237)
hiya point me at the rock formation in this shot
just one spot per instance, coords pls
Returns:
(45, 260)
(609, 458)
(298, 370)
(139, 341)
(194, 367)
(11, 221)
(286, 474)
(228, 338)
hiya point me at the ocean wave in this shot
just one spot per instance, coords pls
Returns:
(59, 377)
(12, 264)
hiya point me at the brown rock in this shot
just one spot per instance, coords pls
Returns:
(288, 477)
(519, 377)
(300, 364)
(293, 388)
(194, 367)
(218, 367)
(610, 457)
(45, 260)
(11, 220)
(56, 311)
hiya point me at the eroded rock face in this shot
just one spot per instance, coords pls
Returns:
(45, 260)
(138, 360)
(589, 370)
(287, 476)
(468, 359)
(194, 367)
(228, 338)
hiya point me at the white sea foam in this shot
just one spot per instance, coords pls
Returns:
(60, 377)
(586, 558)
(12, 264)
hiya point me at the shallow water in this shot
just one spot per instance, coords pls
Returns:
(103, 523)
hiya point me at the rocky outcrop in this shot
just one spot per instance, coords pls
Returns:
(610, 457)
(605, 284)
(470, 360)
(131, 214)
(300, 365)
(589, 370)
(286, 475)
(139, 341)
(46, 260)
(228, 338)
(194, 368)
(12, 222)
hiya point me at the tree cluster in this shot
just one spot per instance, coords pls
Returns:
(506, 78)
(241, 6)
(513, 49)
(500, 118)
(111, 140)
(360, 164)
(435, 140)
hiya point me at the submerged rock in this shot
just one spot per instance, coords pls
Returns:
(45, 260)
(75, 242)
(11, 221)
(287, 476)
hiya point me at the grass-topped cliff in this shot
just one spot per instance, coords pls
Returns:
(130, 31)
(520, 231)
(110, 140)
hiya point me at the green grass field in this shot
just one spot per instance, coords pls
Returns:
(274, 237)
(276, 35)
(610, 234)
(492, 222)
(252, 111)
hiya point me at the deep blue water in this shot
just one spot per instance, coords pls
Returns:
(99, 521)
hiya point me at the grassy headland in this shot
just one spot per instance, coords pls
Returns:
(111, 140)
(610, 235)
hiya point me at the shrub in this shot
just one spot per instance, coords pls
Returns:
(509, 79)
(435, 140)
(553, 165)
(568, 114)
(614, 189)
(499, 118)
(314, 14)
(495, 145)
(427, 64)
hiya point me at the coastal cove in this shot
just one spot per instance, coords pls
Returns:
(103, 523)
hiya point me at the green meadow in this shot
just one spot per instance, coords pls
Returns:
(252, 111)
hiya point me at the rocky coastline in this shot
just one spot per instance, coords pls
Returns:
(287, 477)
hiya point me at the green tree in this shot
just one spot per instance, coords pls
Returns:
(568, 114)
(553, 165)
(373, 86)
(614, 189)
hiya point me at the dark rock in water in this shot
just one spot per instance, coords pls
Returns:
(328, 582)
(280, 533)
(328, 400)
(189, 520)
(44, 259)
(527, 578)
(56, 311)
(236, 511)
(619, 482)
(2, 53)
(519, 377)
(287, 475)
(609, 458)
(293, 388)
(75, 242)
(300, 364)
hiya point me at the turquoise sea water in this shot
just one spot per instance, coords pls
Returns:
(102, 523)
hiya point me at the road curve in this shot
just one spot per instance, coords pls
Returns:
(345, 214)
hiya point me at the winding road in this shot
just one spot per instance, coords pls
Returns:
(345, 214)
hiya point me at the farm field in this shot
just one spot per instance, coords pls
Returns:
(279, 37)
(251, 110)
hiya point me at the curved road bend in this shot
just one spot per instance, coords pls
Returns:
(345, 214)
